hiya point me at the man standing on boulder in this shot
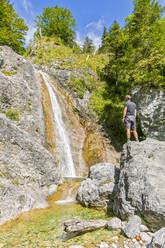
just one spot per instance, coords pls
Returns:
(129, 117)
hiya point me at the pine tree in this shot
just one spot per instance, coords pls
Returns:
(137, 51)
(88, 46)
(105, 33)
(12, 28)
(115, 44)
(55, 21)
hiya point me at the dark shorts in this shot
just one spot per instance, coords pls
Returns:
(130, 122)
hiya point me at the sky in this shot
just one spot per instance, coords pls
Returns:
(91, 15)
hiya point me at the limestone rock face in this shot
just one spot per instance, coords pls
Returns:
(20, 91)
(100, 185)
(141, 187)
(151, 111)
(159, 239)
(27, 171)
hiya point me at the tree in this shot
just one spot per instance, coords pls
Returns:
(145, 29)
(137, 52)
(115, 45)
(55, 21)
(12, 28)
(88, 46)
(103, 47)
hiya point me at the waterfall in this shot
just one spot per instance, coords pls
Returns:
(62, 139)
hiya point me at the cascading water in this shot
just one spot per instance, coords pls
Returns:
(62, 139)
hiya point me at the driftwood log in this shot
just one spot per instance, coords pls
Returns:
(78, 225)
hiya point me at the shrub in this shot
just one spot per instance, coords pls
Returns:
(12, 115)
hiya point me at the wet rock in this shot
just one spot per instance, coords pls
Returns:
(141, 187)
(100, 185)
(159, 239)
(151, 111)
(114, 223)
(132, 228)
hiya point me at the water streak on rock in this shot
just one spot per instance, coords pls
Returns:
(63, 148)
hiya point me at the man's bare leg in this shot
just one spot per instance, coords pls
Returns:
(135, 135)
(128, 134)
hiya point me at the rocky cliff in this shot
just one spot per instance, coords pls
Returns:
(30, 169)
(28, 172)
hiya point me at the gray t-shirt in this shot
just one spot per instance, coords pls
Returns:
(131, 106)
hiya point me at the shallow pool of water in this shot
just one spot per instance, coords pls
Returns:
(42, 228)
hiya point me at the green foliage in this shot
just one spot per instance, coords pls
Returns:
(49, 52)
(137, 51)
(16, 182)
(12, 28)
(55, 21)
(88, 46)
(9, 73)
(12, 115)
(107, 103)
(81, 85)
(77, 85)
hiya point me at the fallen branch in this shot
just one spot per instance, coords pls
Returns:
(78, 225)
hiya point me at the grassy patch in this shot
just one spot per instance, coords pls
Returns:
(9, 73)
(15, 181)
(12, 115)
(49, 50)
(77, 85)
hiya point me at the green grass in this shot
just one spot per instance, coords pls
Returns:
(12, 114)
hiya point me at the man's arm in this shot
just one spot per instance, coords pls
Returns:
(135, 113)
(124, 113)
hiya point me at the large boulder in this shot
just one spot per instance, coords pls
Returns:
(28, 172)
(99, 187)
(141, 187)
(151, 111)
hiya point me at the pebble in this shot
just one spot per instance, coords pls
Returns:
(113, 245)
(115, 238)
(103, 245)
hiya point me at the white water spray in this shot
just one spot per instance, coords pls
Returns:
(62, 142)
